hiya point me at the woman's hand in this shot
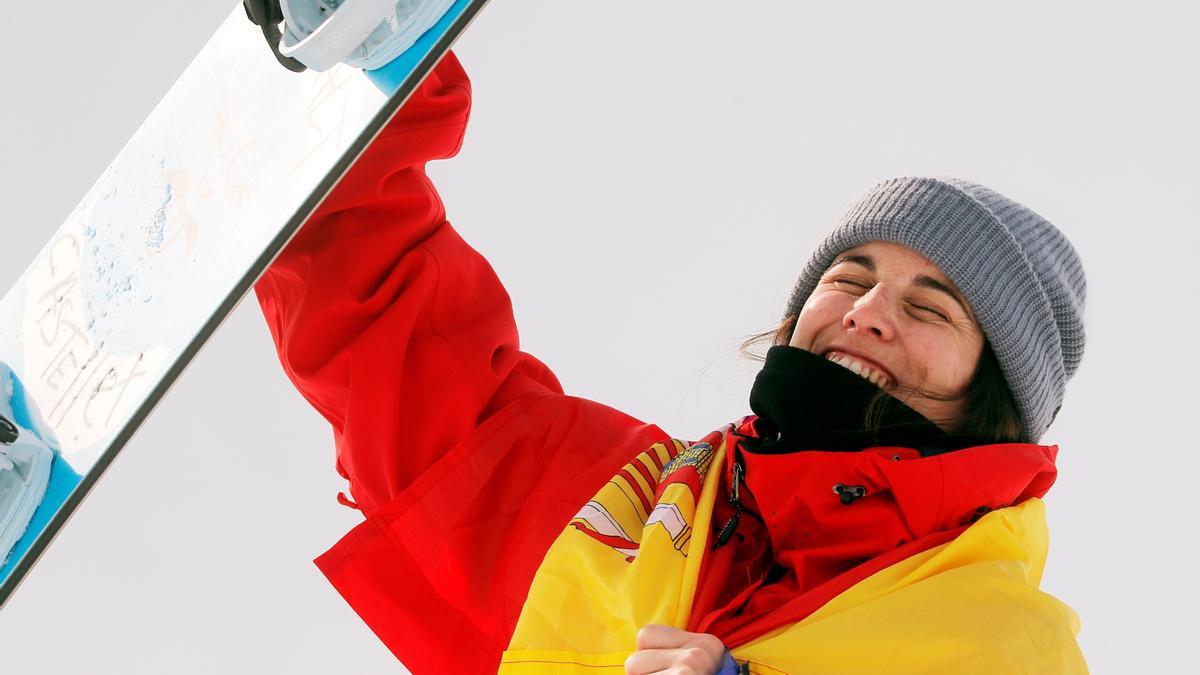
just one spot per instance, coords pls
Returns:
(663, 649)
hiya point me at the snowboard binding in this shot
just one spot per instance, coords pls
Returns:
(25, 464)
(319, 34)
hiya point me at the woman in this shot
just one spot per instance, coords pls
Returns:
(878, 513)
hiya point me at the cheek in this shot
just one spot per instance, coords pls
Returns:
(820, 312)
(951, 359)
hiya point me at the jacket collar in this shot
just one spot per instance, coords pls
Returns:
(800, 541)
(839, 497)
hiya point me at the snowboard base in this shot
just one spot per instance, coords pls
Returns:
(212, 186)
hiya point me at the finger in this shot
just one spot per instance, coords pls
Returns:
(686, 660)
(645, 661)
(659, 636)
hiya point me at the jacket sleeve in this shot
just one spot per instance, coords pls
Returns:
(462, 452)
(388, 323)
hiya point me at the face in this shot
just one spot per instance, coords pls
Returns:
(889, 314)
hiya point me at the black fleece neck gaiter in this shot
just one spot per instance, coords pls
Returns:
(806, 402)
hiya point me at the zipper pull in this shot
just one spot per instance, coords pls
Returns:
(739, 474)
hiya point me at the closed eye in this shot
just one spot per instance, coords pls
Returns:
(850, 282)
(931, 311)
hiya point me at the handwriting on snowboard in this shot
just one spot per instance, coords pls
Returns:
(88, 381)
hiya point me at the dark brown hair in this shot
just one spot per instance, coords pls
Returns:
(990, 412)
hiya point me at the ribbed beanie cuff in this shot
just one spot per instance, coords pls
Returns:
(1022, 277)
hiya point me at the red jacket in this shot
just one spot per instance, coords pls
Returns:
(467, 460)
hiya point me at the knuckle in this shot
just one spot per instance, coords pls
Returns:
(712, 643)
(694, 658)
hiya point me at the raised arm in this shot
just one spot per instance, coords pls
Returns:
(462, 452)
(390, 325)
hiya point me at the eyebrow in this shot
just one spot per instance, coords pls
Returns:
(864, 260)
(921, 281)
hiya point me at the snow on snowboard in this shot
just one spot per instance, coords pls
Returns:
(172, 236)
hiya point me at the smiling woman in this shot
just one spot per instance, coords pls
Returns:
(511, 525)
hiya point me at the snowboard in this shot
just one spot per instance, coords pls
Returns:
(166, 243)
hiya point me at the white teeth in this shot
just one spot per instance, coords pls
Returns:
(877, 379)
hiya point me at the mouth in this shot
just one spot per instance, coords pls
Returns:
(866, 369)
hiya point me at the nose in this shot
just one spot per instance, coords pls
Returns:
(870, 314)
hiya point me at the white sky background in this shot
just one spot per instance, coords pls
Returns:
(647, 179)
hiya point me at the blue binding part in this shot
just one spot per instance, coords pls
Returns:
(389, 77)
(63, 480)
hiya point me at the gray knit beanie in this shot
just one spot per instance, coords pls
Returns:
(1022, 277)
